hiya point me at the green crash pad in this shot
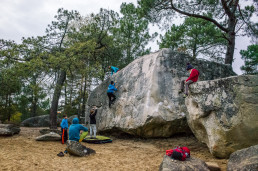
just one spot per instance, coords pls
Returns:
(99, 140)
(83, 135)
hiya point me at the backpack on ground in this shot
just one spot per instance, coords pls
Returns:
(179, 153)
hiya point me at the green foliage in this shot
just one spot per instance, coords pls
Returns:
(133, 33)
(66, 62)
(227, 16)
(16, 117)
(250, 57)
(196, 37)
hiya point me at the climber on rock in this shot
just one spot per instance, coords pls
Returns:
(194, 74)
(110, 93)
(113, 69)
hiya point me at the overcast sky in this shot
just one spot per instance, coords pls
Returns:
(26, 18)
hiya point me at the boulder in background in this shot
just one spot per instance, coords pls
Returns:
(9, 129)
(223, 113)
(39, 121)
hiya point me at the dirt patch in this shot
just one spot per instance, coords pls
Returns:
(22, 152)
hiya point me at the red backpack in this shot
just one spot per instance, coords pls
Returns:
(179, 153)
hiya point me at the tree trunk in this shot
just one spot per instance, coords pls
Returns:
(84, 97)
(231, 34)
(56, 96)
(230, 48)
(65, 91)
(9, 107)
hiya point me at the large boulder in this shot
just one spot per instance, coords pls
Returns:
(77, 149)
(9, 129)
(39, 121)
(148, 103)
(223, 113)
(190, 164)
(245, 159)
(52, 136)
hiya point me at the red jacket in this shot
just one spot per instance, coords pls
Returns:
(193, 76)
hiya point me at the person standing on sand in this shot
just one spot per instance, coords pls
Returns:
(64, 128)
(194, 74)
(93, 128)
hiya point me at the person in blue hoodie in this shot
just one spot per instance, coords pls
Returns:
(74, 130)
(64, 128)
(113, 69)
(110, 93)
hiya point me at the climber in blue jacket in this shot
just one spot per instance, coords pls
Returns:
(64, 128)
(110, 93)
(74, 130)
(113, 69)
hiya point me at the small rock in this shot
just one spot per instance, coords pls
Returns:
(52, 136)
(77, 149)
(213, 166)
(245, 159)
(9, 129)
(190, 164)
(47, 131)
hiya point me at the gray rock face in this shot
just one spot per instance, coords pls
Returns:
(39, 121)
(52, 136)
(223, 113)
(148, 103)
(191, 164)
(245, 159)
(77, 149)
(9, 129)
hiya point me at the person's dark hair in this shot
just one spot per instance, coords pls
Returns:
(64, 115)
(189, 66)
(112, 82)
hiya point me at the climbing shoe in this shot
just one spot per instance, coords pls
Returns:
(185, 95)
(61, 154)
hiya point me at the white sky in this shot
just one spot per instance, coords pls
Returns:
(26, 18)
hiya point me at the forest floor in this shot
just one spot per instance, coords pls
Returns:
(22, 152)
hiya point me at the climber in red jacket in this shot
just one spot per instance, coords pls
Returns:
(194, 74)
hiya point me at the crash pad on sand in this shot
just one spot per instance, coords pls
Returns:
(99, 140)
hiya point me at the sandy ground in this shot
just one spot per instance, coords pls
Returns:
(22, 152)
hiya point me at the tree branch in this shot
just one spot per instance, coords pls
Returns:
(225, 37)
(235, 6)
(226, 8)
(244, 19)
(199, 16)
